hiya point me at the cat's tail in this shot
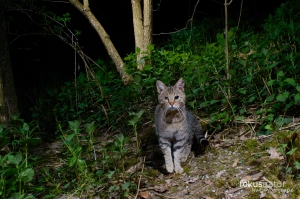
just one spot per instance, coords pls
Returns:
(203, 141)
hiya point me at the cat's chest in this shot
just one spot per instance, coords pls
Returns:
(171, 130)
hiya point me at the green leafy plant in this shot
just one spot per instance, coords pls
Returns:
(16, 167)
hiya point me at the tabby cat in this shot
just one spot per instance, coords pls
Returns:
(175, 126)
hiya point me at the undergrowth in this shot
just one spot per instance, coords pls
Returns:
(264, 84)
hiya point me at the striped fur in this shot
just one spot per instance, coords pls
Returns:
(175, 126)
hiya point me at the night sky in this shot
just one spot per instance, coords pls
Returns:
(42, 61)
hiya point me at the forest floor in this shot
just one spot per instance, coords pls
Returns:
(234, 165)
(229, 168)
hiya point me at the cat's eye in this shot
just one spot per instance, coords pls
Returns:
(166, 98)
(176, 97)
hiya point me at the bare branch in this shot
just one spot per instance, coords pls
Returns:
(190, 20)
(86, 4)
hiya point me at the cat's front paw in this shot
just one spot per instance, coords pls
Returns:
(170, 168)
(179, 170)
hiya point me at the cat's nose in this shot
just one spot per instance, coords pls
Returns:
(171, 103)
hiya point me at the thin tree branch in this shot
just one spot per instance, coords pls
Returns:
(191, 19)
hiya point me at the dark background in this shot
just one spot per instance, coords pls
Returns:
(41, 61)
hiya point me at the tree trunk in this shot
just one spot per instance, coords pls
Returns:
(147, 24)
(113, 53)
(137, 24)
(142, 28)
(8, 99)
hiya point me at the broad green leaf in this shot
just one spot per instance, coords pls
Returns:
(280, 74)
(30, 197)
(99, 172)
(150, 47)
(270, 82)
(72, 161)
(25, 126)
(270, 117)
(15, 159)
(125, 185)
(137, 78)
(70, 137)
(240, 118)
(283, 96)
(192, 104)
(270, 98)
(66, 185)
(251, 99)
(298, 88)
(290, 81)
(147, 67)
(74, 125)
(264, 51)
(31, 141)
(243, 62)
(297, 165)
(16, 196)
(269, 127)
(50, 196)
(213, 101)
(27, 175)
(90, 127)
(242, 90)
(291, 152)
(110, 174)
(297, 97)
(273, 65)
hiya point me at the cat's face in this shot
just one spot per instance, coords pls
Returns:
(172, 98)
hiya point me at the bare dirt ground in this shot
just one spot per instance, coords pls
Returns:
(229, 168)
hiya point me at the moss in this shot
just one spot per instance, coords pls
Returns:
(270, 143)
(152, 173)
(220, 182)
(234, 182)
(186, 169)
(232, 148)
(174, 189)
(251, 145)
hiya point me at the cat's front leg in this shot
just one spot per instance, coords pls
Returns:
(177, 160)
(165, 146)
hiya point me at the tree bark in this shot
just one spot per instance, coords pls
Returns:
(8, 99)
(113, 53)
(137, 24)
(147, 24)
(226, 47)
(142, 28)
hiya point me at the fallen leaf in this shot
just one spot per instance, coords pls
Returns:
(161, 176)
(256, 176)
(274, 154)
(220, 173)
(262, 194)
(161, 188)
(168, 181)
(208, 181)
(235, 162)
(208, 197)
(253, 177)
(170, 175)
(187, 179)
(217, 136)
(186, 192)
(144, 194)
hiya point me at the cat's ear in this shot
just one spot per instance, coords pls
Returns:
(180, 84)
(160, 86)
